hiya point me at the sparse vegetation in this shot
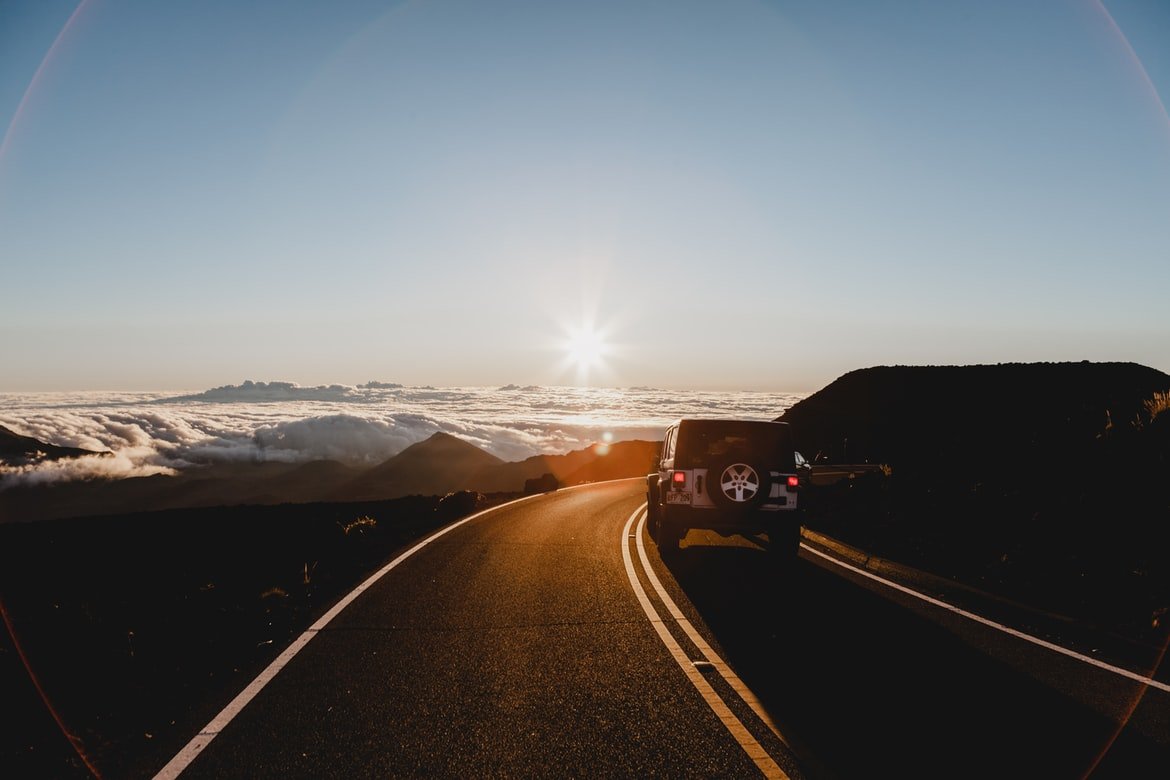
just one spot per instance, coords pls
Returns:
(359, 525)
(1159, 403)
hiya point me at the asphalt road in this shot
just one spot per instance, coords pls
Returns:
(511, 646)
(535, 641)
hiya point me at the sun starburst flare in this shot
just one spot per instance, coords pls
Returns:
(586, 348)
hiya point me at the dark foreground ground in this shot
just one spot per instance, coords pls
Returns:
(123, 632)
(118, 627)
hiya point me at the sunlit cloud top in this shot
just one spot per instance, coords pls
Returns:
(364, 424)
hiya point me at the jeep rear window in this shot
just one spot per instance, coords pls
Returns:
(700, 442)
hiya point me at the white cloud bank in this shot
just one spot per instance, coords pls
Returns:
(152, 433)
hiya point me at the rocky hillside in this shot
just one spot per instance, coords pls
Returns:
(1045, 480)
(982, 415)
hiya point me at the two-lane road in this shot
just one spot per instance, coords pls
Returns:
(545, 639)
(513, 645)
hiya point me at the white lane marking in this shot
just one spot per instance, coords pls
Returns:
(193, 748)
(1141, 678)
(712, 657)
(738, 731)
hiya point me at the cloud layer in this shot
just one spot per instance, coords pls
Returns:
(152, 433)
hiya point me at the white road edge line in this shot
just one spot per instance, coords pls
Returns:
(193, 748)
(712, 657)
(738, 731)
(1141, 678)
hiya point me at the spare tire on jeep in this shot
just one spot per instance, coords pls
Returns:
(737, 484)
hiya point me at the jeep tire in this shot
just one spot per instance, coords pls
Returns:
(653, 508)
(669, 534)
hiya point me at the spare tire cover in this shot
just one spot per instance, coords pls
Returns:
(738, 484)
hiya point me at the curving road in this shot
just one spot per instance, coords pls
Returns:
(513, 645)
(546, 639)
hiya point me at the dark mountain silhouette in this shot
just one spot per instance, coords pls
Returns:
(17, 450)
(1045, 481)
(986, 415)
(437, 466)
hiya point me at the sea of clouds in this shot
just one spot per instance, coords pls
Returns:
(161, 433)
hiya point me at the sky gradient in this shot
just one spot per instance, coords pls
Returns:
(732, 195)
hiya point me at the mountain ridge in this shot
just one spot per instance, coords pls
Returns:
(922, 414)
(441, 464)
(18, 450)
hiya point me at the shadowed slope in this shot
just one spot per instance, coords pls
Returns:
(17, 450)
(444, 463)
(436, 466)
(979, 413)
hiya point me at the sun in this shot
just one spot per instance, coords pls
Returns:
(586, 348)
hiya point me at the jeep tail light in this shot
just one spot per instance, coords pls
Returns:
(793, 481)
(679, 478)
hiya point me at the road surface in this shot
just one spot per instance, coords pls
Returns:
(546, 639)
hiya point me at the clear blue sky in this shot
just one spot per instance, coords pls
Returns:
(733, 195)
